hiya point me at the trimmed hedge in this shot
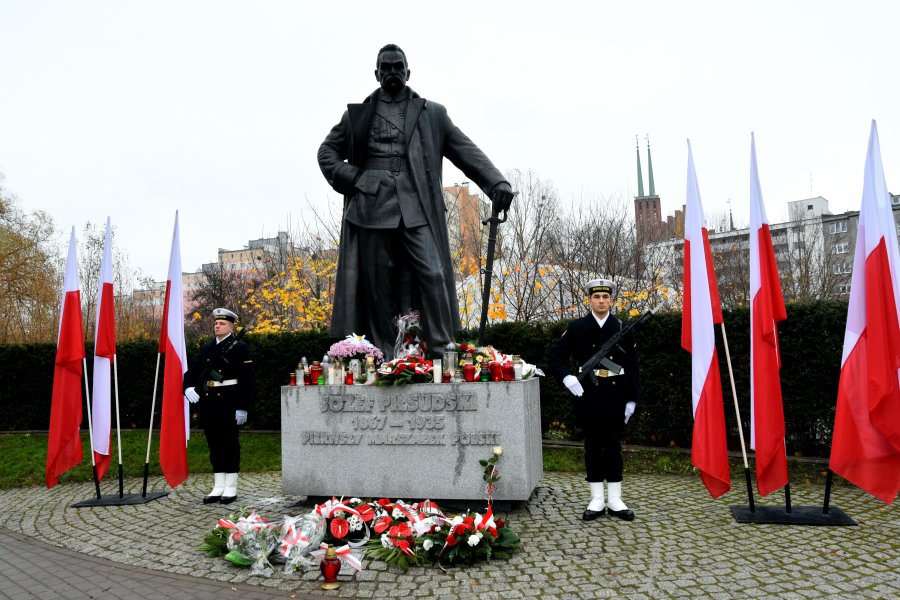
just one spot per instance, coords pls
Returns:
(811, 344)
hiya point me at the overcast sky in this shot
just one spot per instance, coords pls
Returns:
(134, 110)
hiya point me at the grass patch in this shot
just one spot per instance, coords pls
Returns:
(23, 458)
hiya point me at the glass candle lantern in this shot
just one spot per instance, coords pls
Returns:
(330, 567)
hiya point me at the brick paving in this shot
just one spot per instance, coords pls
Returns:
(682, 545)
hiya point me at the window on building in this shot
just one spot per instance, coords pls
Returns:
(841, 248)
(844, 288)
(837, 227)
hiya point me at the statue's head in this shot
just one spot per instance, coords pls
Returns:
(391, 70)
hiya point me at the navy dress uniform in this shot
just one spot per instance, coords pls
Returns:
(602, 409)
(224, 404)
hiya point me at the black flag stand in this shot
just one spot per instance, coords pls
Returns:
(794, 515)
(123, 499)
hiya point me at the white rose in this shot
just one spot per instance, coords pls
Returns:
(498, 450)
(473, 540)
(427, 544)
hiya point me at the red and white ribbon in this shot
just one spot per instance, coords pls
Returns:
(344, 553)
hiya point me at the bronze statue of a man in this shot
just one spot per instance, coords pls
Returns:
(385, 157)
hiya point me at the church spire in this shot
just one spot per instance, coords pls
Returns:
(637, 149)
(650, 168)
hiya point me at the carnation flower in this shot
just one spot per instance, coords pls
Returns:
(473, 540)
(356, 523)
(427, 544)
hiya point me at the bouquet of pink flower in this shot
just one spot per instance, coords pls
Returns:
(355, 346)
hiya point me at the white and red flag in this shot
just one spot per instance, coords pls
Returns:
(104, 355)
(702, 310)
(173, 430)
(64, 441)
(865, 449)
(767, 309)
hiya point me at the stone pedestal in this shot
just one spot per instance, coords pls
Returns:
(413, 442)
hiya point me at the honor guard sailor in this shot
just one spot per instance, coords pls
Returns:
(220, 382)
(602, 408)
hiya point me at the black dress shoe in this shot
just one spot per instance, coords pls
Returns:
(211, 499)
(625, 515)
(230, 499)
(590, 515)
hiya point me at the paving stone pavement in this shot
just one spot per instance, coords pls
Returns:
(683, 544)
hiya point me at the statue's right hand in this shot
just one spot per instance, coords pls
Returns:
(501, 197)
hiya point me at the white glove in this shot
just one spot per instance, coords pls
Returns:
(571, 382)
(192, 395)
(240, 416)
(629, 410)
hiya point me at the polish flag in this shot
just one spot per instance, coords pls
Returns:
(104, 355)
(766, 410)
(865, 449)
(64, 441)
(173, 430)
(702, 310)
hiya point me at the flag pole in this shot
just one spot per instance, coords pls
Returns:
(118, 426)
(150, 429)
(121, 499)
(90, 427)
(828, 480)
(738, 416)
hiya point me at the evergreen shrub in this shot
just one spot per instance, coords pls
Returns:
(811, 344)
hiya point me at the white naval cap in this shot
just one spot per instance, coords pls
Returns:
(224, 313)
(600, 285)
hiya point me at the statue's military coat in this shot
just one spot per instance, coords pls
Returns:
(430, 136)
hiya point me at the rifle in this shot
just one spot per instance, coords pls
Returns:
(210, 371)
(587, 369)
